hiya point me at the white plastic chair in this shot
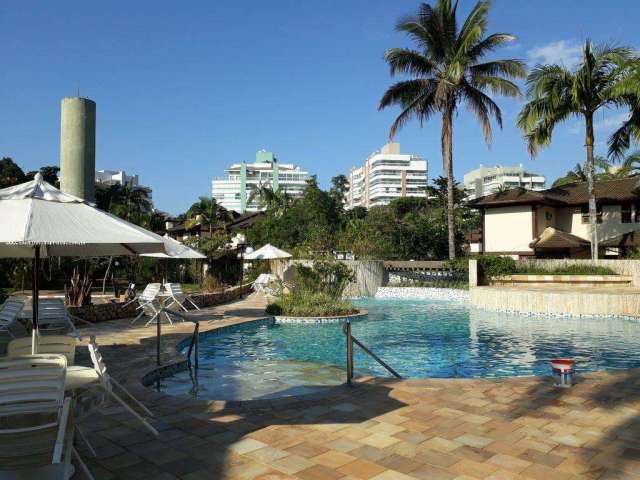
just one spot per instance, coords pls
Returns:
(57, 344)
(149, 304)
(178, 297)
(36, 435)
(9, 314)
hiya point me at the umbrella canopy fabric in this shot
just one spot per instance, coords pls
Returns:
(37, 214)
(268, 252)
(175, 249)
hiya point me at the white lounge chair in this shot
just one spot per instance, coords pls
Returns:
(178, 297)
(9, 314)
(36, 434)
(54, 317)
(56, 344)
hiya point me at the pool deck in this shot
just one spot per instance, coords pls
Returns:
(382, 429)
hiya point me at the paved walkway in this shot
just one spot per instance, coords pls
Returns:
(519, 428)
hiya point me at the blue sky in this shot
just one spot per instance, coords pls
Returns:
(186, 88)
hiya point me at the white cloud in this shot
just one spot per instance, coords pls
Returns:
(564, 52)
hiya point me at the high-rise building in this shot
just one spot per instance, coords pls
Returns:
(119, 177)
(487, 180)
(234, 191)
(386, 175)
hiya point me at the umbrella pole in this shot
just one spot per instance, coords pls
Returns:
(34, 298)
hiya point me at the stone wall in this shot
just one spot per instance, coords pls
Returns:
(102, 312)
(552, 302)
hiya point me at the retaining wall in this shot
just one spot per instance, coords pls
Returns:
(102, 312)
(551, 302)
(621, 267)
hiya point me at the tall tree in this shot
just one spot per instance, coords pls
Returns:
(557, 94)
(339, 187)
(209, 210)
(447, 70)
(10, 173)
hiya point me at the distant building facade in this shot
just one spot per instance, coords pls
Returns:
(487, 180)
(119, 177)
(234, 191)
(385, 176)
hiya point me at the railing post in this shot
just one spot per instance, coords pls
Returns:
(197, 334)
(158, 331)
(347, 331)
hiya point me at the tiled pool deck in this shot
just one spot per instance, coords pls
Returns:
(520, 428)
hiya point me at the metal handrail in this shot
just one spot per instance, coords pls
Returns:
(195, 337)
(346, 328)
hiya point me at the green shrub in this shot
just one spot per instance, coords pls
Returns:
(305, 304)
(576, 269)
(326, 276)
(211, 284)
(492, 266)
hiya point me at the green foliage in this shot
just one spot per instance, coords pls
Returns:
(326, 276)
(305, 304)
(566, 270)
(211, 284)
(255, 269)
(492, 266)
(10, 173)
(317, 291)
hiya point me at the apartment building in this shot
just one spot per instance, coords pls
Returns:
(386, 175)
(487, 180)
(233, 192)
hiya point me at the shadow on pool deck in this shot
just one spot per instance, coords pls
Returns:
(602, 408)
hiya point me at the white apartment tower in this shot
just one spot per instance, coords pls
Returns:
(234, 191)
(386, 175)
(487, 180)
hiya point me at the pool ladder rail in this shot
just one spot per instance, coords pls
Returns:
(346, 328)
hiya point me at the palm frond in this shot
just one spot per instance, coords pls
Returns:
(407, 61)
(488, 45)
(473, 28)
(496, 85)
(484, 108)
(621, 140)
(511, 68)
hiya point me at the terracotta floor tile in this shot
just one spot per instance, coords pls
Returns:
(361, 469)
(430, 472)
(471, 468)
(292, 464)
(379, 440)
(307, 449)
(319, 472)
(333, 459)
(508, 462)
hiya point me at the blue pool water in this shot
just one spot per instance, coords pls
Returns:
(417, 338)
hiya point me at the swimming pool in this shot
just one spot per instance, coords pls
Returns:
(417, 338)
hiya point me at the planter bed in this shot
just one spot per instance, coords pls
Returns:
(563, 280)
(337, 319)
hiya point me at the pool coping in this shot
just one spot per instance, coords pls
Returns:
(287, 319)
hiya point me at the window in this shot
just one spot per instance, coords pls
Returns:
(584, 211)
(625, 213)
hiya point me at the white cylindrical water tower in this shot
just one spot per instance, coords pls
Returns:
(78, 147)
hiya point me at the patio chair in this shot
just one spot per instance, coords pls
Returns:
(98, 377)
(9, 314)
(148, 303)
(52, 344)
(36, 425)
(130, 294)
(178, 297)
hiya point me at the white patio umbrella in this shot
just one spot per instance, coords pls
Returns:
(268, 252)
(175, 249)
(38, 220)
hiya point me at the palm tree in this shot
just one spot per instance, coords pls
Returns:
(208, 209)
(446, 70)
(276, 201)
(572, 176)
(556, 94)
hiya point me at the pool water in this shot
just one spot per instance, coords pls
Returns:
(417, 338)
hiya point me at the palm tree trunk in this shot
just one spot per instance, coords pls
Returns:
(593, 220)
(447, 160)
